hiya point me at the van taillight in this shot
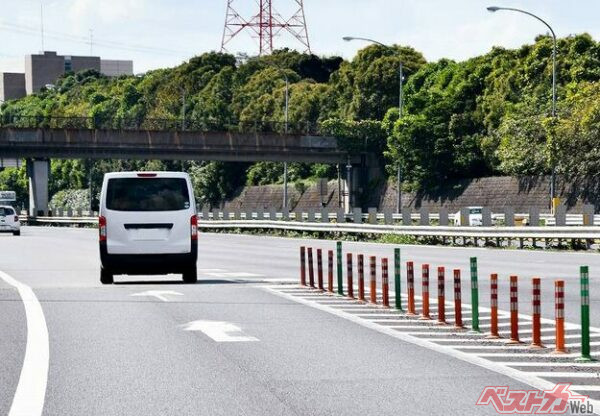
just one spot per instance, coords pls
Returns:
(194, 227)
(102, 228)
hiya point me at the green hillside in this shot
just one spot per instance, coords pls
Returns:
(485, 116)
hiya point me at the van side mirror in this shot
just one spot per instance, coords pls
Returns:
(95, 205)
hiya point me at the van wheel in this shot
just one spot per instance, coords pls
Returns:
(106, 278)
(190, 276)
(17, 232)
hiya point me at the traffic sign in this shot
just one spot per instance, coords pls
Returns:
(8, 196)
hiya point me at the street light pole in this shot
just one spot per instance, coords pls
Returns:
(287, 112)
(400, 114)
(494, 9)
(285, 164)
(183, 111)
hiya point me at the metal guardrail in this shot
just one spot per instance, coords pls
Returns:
(566, 232)
(153, 124)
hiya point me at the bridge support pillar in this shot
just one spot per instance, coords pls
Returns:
(38, 172)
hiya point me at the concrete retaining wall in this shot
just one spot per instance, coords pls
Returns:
(495, 193)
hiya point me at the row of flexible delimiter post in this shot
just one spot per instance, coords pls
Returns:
(307, 261)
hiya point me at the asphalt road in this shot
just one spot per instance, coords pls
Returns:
(112, 353)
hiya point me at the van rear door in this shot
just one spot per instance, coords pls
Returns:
(7, 216)
(148, 214)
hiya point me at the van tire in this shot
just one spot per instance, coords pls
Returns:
(106, 278)
(190, 275)
(17, 233)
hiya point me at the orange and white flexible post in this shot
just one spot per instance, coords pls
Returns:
(320, 269)
(410, 287)
(493, 307)
(385, 285)
(514, 310)
(425, 291)
(330, 271)
(458, 323)
(559, 311)
(536, 303)
(441, 295)
(361, 277)
(373, 279)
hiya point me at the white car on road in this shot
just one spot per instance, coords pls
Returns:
(148, 225)
(9, 220)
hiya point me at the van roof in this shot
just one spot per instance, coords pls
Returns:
(112, 175)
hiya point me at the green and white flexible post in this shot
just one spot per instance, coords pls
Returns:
(585, 315)
(397, 279)
(474, 296)
(340, 270)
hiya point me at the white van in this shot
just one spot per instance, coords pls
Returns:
(9, 220)
(148, 224)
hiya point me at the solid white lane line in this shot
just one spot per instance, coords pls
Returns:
(31, 390)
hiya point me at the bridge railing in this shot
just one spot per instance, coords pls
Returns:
(154, 124)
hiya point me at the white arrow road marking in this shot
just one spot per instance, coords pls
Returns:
(158, 294)
(220, 331)
(31, 390)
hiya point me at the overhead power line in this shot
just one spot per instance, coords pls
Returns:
(32, 31)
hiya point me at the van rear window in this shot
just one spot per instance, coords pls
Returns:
(147, 194)
(4, 211)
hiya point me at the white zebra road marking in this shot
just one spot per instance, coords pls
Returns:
(31, 390)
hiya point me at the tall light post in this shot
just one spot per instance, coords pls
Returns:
(494, 9)
(285, 164)
(400, 112)
(183, 109)
(287, 112)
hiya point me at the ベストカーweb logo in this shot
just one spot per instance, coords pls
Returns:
(537, 402)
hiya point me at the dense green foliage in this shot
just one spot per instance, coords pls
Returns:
(484, 116)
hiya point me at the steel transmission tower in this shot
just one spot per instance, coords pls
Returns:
(266, 25)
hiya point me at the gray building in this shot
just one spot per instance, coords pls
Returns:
(44, 69)
(12, 86)
(116, 68)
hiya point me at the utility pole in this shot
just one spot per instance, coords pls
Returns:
(183, 94)
(42, 22)
(91, 42)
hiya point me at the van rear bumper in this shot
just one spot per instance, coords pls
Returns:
(136, 264)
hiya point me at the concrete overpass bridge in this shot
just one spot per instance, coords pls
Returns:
(77, 141)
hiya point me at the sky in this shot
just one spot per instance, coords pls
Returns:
(161, 33)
